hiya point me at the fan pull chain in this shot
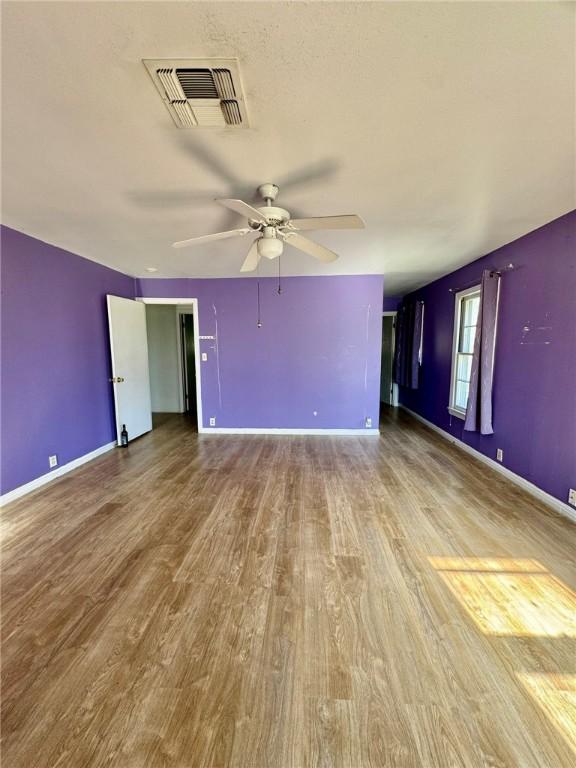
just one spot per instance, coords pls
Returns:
(259, 319)
(279, 278)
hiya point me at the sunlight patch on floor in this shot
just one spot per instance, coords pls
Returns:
(490, 564)
(556, 694)
(506, 596)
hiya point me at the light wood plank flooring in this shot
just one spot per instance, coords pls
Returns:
(287, 602)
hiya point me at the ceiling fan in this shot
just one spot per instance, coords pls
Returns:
(275, 227)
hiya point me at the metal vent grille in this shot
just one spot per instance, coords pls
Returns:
(200, 93)
(224, 84)
(231, 112)
(171, 84)
(197, 83)
(207, 112)
(185, 113)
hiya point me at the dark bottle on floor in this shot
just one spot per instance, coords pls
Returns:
(124, 436)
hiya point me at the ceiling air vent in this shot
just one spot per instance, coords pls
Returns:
(231, 112)
(224, 84)
(197, 83)
(200, 93)
(184, 113)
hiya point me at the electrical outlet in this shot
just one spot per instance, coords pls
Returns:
(204, 357)
(53, 461)
(572, 497)
(368, 422)
(212, 421)
(499, 454)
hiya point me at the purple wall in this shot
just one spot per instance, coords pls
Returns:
(55, 394)
(318, 349)
(535, 368)
(390, 303)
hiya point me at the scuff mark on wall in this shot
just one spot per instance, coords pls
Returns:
(217, 349)
(533, 333)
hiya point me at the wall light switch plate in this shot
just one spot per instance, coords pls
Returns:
(204, 357)
(212, 421)
(53, 461)
(572, 497)
(499, 454)
(368, 423)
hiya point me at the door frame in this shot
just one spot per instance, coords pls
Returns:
(194, 304)
(182, 373)
(395, 400)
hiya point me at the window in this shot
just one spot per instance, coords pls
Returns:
(465, 320)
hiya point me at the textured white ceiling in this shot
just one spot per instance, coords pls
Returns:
(448, 126)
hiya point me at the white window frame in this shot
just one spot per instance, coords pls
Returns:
(454, 410)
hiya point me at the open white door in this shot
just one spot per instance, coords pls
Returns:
(130, 375)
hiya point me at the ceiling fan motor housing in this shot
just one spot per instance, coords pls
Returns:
(274, 216)
(268, 191)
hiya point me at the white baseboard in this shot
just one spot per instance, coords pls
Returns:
(526, 485)
(272, 431)
(22, 490)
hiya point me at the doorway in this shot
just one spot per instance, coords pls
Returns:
(388, 389)
(172, 352)
(188, 364)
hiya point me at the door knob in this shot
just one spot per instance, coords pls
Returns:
(117, 380)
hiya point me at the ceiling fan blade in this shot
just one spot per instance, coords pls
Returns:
(210, 238)
(310, 247)
(242, 208)
(329, 222)
(251, 261)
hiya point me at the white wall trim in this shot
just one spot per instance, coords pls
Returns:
(194, 304)
(273, 431)
(526, 485)
(22, 490)
(159, 300)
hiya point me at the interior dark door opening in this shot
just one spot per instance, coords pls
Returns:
(386, 382)
(188, 366)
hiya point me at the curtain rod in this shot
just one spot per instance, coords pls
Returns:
(508, 268)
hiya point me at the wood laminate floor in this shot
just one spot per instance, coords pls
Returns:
(287, 602)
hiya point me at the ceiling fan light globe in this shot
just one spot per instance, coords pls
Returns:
(270, 247)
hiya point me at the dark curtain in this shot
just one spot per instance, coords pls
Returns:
(407, 355)
(479, 407)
